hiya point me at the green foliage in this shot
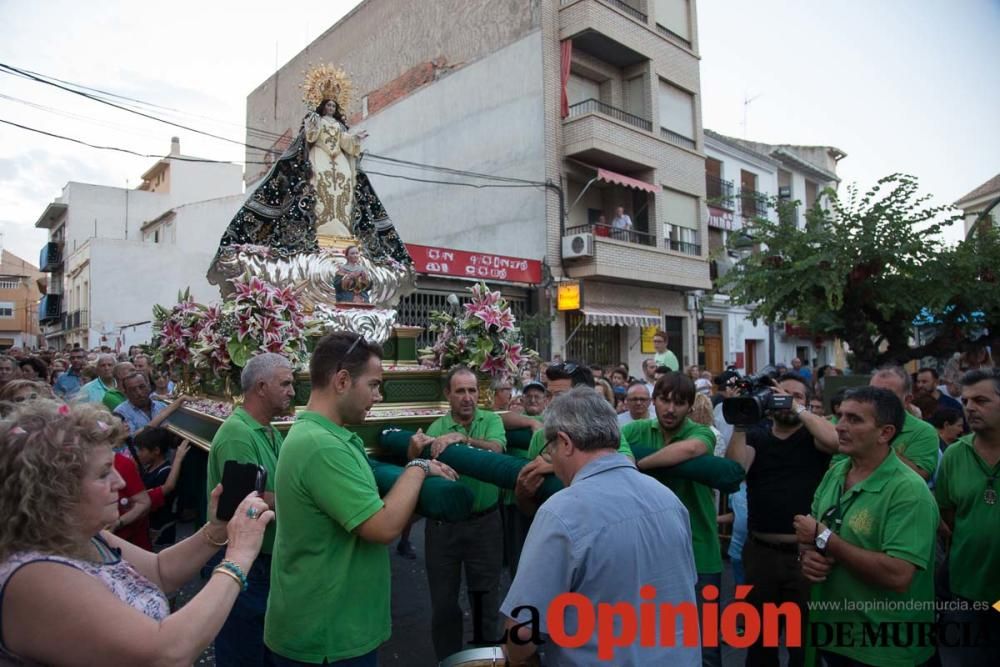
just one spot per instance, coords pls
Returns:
(861, 269)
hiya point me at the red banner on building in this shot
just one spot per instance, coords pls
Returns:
(479, 265)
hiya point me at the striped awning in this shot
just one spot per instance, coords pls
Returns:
(627, 181)
(618, 316)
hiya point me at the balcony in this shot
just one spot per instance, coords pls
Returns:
(635, 258)
(683, 246)
(50, 309)
(719, 192)
(677, 139)
(597, 106)
(75, 320)
(753, 204)
(50, 257)
(609, 232)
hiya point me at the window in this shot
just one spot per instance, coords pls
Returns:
(6, 310)
(580, 89)
(593, 344)
(9, 284)
(683, 222)
(673, 15)
(156, 236)
(677, 113)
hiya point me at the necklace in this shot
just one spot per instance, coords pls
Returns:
(989, 494)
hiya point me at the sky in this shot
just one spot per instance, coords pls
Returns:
(899, 85)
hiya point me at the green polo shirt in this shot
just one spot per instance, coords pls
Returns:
(974, 565)
(242, 438)
(537, 444)
(485, 425)
(697, 498)
(918, 441)
(891, 512)
(329, 596)
(112, 399)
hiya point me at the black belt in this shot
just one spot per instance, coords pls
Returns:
(787, 547)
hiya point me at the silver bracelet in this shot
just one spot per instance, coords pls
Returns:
(423, 464)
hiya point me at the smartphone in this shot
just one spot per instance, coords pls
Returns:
(238, 480)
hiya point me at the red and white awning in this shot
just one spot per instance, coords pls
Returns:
(626, 181)
(621, 316)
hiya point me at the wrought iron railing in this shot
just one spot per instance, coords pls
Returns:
(628, 9)
(753, 204)
(606, 231)
(673, 36)
(75, 320)
(676, 138)
(684, 247)
(596, 106)
(718, 192)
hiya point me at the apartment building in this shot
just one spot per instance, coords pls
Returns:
(590, 105)
(19, 294)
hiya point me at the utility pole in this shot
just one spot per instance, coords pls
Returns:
(746, 106)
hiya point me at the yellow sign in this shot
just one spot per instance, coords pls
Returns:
(569, 296)
(648, 333)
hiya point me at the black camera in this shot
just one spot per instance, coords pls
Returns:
(756, 398)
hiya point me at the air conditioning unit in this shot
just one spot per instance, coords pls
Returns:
(578, 245)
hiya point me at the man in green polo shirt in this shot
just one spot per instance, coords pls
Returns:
(870, 554)
(475, 543)
(679, 439)
(330, 575)
(248, 437)
(114, 396)
(968, 493)
(561, 378)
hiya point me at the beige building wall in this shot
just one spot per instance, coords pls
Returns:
(19, 296)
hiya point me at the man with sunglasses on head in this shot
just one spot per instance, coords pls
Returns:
(475, 543)
(561, 378)
(329, 601)
(869, 540)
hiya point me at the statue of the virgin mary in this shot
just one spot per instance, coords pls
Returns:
(313, 208)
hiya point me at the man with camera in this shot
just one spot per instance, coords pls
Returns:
(785, 451)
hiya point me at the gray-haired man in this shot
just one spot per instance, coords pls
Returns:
(609, 515)
(248, 437)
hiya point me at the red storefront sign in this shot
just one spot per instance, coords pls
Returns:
(721, 218)
(480, 265)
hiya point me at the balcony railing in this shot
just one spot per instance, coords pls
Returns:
(753, 204)
(75, 320)
(596, 106)
(628, 9)
(50, 257)
(718, 192)
(676, 138)
(682, 246)
(673, 36)
(608, 232)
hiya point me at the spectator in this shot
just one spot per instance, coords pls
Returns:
(65, 578)
(56, 369)
(693, 371)
(601, 226)
(649, 374)
(333, 523)
(144, 366)
(503, 389)
(164, 388)
(870, 538)
(802, 370)
(597, 371)
(159, 476)
(115, 396)
(917, 443)
(19, 391)
(95, 390)
(927, 384)
(816, 406)
(637, 402)
(69, 383)
(140, 411)
(607, 515)
(621, 225)
(948, 424)
(604, 389)
(34, 368)
(663, 356)
(8, 369)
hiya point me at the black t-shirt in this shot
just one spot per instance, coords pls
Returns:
(166, 514)
(783, 478)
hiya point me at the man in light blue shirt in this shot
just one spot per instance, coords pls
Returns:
(611, 532)
(69, 383)
(140, 411)
(94, 391)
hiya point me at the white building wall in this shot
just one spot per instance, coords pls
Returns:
(199, 181)
(485, 118)
(98, 211)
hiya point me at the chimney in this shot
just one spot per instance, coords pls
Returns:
(175, 145)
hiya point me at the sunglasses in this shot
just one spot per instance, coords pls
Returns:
(568, 368)
(353, 346)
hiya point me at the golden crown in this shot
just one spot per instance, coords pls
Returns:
(326, 82)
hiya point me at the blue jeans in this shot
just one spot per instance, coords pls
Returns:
(366, 660)
(240, 642)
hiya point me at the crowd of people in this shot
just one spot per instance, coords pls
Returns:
(873, 511)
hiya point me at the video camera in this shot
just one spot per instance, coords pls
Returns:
(756, 398)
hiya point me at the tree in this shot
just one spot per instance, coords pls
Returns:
(861, 269)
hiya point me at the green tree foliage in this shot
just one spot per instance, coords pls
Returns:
(862, 269)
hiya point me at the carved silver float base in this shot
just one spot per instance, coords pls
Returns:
(375, 324)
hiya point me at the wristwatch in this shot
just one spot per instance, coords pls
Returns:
(423, 464)
(799, 408)
(822, 540)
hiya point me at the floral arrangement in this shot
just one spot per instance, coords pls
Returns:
(483, 336)
(218, 340)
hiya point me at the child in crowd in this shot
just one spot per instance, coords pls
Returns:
(160, 476)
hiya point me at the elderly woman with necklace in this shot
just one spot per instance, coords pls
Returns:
(75, 594)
